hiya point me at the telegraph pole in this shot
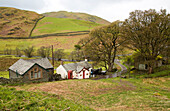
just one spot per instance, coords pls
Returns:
(53, 58)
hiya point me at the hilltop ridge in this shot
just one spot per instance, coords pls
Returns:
(78, 16)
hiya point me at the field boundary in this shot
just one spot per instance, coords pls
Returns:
(54, 34)
(35, 25)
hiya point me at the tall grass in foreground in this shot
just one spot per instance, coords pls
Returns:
(10, 99)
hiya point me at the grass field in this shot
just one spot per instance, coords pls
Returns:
(108, 94)
(56, 25)
(13, 100)
(4, 74)
(62, 42)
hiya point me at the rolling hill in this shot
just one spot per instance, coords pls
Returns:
(17, 23)
(50, 25)
(78, 16)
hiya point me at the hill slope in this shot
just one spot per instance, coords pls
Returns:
(49, 25)
(78, 16)
(16, 23)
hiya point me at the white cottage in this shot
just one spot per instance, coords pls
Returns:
(80, 70)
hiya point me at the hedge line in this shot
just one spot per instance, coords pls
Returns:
(47, 35)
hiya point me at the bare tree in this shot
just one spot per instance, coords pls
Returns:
(18, 52)
(44, 52)
(77, 55)
(29, 51)
(8, 51)
(59, 54)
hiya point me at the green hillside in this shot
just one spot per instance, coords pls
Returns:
(16, 23)
(78, 16)
(49, 25)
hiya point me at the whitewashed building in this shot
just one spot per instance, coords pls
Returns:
(80, 70)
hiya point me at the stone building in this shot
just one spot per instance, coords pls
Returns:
(32, 70)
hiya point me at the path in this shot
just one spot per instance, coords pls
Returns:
(116, 74)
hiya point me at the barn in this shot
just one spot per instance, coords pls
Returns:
(80, 70)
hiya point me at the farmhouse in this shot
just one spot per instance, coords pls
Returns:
(80, 70)
(31, 70)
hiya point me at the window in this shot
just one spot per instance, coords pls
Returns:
(35, 73)
(35, 69)
(39, 74)
(32, 75)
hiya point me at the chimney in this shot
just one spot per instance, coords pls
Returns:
(85, 59)
(62, 63)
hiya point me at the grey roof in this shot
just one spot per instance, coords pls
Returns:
(77, 66)
(21, 66)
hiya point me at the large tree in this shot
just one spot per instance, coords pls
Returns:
(147, 32)
(102, 44)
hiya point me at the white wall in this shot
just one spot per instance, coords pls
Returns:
(80, 75)
(61, 70)
(75, 75)
(87, 74)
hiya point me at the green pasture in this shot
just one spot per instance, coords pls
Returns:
(4, 74)
(57, 25)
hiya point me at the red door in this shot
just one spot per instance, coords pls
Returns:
(83, 74)
(70, 75)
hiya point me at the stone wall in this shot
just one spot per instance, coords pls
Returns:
(13, 74)
(10, 81)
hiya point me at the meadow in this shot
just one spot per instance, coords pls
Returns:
(105, 94)
(60, 42)
(50, 25)
(40, 101)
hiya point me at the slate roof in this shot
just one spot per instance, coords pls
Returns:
(21, 66)
(77, 66)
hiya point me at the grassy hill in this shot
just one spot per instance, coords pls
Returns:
(78, 16)
(49, 25)
(16, 23)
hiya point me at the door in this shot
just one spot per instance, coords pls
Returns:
(70, 76)
(83, 74)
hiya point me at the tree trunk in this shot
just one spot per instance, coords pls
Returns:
(111, 62)
(110, 67)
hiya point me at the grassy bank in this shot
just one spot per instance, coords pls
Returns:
(111, 94)
(158, 72)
